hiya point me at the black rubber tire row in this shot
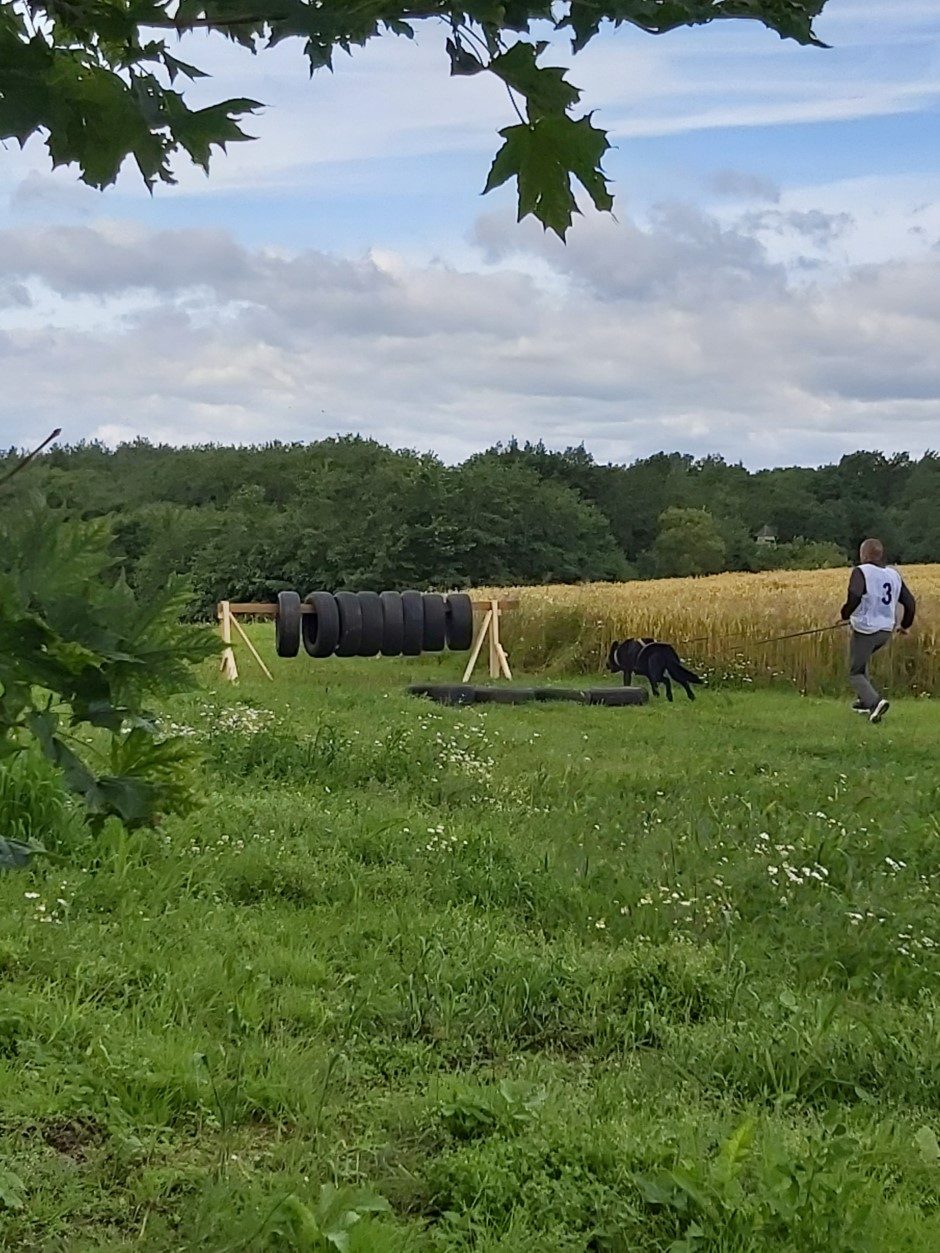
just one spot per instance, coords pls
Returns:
(464, 694)
(366, 624)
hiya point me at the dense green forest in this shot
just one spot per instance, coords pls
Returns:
(244, 522)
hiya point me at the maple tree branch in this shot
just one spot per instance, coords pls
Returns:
(35, 453)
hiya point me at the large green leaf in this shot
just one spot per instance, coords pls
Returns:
(543, 156)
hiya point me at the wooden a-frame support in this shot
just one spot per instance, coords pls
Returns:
(228, 612)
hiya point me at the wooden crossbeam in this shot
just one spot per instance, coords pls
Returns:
(268, 609)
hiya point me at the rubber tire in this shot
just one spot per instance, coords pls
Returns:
(393, 624)
(435, 623)
(287, 624)
(445, 693)
(505, 695)
(572, 694)
(459, 622)
(320, 629)
(617, 696)
(412, 608)
(350, 624)
(373, 624)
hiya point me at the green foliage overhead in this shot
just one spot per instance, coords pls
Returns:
(99, 81)
(81, 659)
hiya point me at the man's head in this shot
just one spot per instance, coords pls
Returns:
(872, 552)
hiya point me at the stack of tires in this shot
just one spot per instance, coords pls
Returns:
(372, 624)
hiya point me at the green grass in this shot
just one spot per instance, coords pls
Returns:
(543, 977)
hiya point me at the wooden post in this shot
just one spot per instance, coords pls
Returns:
(478, 644)
(488, 631)
(494, 639)
(251, 648)
(227, 664)
(499, 664)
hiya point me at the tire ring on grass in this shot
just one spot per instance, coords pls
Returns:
(412, 609)
(373, 624)
(617, 696)
(287, 624)
(445, 693)
(575, 694)
(459, 622)
(435, 623)
(320, 629)
(505, 695)
(393, 624)
(350, 624)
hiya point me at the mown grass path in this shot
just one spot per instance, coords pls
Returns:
(544, 978)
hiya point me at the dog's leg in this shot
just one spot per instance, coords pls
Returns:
(688, 690)
(668, 686)
(627, 677)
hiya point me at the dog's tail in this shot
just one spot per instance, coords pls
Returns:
(678, 671)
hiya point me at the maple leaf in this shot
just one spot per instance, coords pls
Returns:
(542, 156)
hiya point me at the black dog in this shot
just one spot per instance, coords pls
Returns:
(659, 663)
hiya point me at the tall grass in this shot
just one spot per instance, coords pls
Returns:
(720, 624)
(34, 806)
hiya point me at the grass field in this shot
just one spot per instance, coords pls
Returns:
(721, 624)
(542, 978)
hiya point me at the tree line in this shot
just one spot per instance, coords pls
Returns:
(244, 522)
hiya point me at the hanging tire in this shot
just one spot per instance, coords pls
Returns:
(459, 622)
(435, 623)
(393, 624)
(412, 610)
(617, 696)
(287, 624)
(350, 624)
(320, 629)
(505, 695)
(373, 624)
(445, 693)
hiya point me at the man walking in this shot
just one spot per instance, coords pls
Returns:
(875, 592)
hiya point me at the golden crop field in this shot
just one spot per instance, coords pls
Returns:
(719, 624)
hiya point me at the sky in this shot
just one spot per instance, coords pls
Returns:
(768, 287)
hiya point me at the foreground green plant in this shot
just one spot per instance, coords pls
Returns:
(82, 660)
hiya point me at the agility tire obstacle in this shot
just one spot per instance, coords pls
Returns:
(366, 624)
(463, 694)
(369, 624)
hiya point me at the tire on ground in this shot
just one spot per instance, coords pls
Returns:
(445, 693)
(373, 624)
(505, 695)
(412, 609)
(393, 624)
(617, 696)
(320, 629)
(435, 623)
(459, 622)
(576, 694)
(287, 624)
(350, 624)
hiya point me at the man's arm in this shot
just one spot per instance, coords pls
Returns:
(855, 594)
(908, 604)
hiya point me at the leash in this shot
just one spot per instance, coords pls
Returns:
(774, 639)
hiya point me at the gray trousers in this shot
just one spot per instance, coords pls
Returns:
(861, 651)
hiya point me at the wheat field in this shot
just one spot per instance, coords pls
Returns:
(720, 624)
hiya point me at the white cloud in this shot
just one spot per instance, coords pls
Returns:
(680, 332)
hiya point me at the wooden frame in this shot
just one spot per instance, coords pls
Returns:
(229, 611)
